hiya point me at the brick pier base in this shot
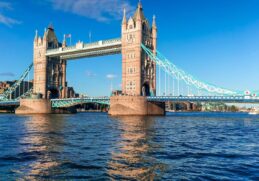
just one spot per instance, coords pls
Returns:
(135, 105)
(34, 106)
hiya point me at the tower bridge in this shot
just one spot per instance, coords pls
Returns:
(138, 70)
(140, 58)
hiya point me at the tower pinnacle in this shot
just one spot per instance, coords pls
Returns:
(124, 21)
(36, 35)
(138, 14)
(51, 26)
(64, 43)
(154, 21)
(139, 4)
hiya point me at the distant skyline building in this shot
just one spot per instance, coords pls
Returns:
(23, 88)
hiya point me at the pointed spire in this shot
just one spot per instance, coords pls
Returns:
(138, 16)
(139, 4)
(64, 43)
(154, 21)
(45, 33)
(124, 21)
(36, 35)
(51, 26)
(139, 12)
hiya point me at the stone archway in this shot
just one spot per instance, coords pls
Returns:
(53, 94)
(146, 89)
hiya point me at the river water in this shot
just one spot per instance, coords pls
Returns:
(95, 146)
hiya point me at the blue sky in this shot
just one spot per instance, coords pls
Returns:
(215, 40)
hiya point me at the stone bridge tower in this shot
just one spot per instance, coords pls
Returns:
(138, 71)
(49, 73)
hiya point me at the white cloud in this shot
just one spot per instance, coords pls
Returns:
(7, 74)
(5, 19)
(90, 74)
(100, 10)
(111, 76)
(8, 21)
(5, 5)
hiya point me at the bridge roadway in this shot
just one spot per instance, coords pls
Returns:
(82, 50)
(59, 103)
(9, 103)
(225, 99)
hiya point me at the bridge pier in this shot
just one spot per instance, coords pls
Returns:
(135, 106)
(70, 110)
(34, 106)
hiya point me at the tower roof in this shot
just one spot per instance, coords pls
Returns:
(154, 21)
(124, 21)
(51, 26)
(139, 13)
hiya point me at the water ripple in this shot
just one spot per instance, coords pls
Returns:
(180, 146)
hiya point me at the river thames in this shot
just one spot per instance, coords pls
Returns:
(95, 146)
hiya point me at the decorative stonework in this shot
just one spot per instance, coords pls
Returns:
(135, 106)
(49, 73)
(136, 66)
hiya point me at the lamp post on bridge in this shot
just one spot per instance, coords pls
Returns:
(111, 77)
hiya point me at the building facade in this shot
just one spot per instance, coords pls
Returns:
(138, 71)
(20, 90)
(49, 73)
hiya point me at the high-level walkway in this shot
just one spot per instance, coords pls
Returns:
(83, 50)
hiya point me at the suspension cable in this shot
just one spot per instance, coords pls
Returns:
(173, 86)
(178, 86)
(28, 81)
(187, 78)
(168, 86)
(165, 83)
(159, 78)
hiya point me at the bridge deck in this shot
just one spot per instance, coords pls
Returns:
(9, 103)
(82, 50)
(225, 99)
(56, 103)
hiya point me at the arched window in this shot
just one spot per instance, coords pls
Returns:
(143, 27)
(54, 78)
(60, 78)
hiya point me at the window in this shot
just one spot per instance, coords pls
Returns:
(131, 55)
(39, 66)
(131, 70)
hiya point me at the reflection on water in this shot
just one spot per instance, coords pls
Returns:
(94, 146)
(132, 159)
(43, 138)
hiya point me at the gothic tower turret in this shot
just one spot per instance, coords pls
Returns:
(49, 73)
(40, 65)
(138, 71)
